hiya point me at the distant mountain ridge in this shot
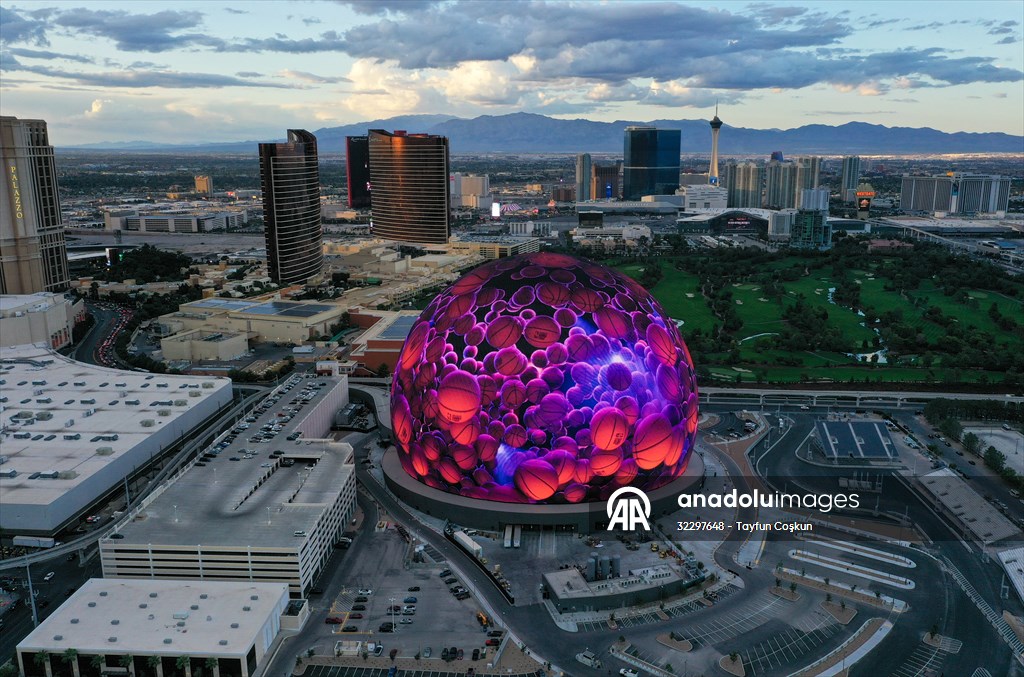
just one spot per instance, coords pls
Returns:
(532, 133)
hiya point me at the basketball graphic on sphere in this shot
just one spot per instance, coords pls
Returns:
(542, 331)
(619, 376)
(608, 429)
(583, 473)
(465, 432)
(458, 396)
(605, 462)
(564, 464)
(575, 492)
(661, 344)
(536, 478)
(543, 378)
(627, 471)
(504, 331)
(653, 441)
(464, 456)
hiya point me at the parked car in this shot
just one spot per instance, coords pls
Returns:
(334, 620)
(495, 633)
(459, 655)
(359, 607)
(449, 581)
(427, 652)
(626, 672)
(365, 591)
(350, 628)
(493, 641)
(409, 600)
(445, 573)
(414, 588)
(355, 615)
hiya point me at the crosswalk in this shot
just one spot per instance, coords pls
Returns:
(996, 619)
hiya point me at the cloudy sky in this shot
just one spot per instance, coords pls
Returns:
(211, 71)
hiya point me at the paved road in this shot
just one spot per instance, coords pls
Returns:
(17, 623)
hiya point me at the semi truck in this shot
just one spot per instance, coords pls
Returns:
(33, 542)
(463, 539)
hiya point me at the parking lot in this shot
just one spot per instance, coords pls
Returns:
(735, 623)
(383, 565)
(788, 646)
(676, 610)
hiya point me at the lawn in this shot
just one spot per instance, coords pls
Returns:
(679, 294)
(848, 322)
(973, 313)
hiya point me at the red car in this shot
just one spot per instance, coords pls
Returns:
(334, 620)
(493, 642)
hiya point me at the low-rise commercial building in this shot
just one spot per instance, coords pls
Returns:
(44, 318)
(497, 247)
(268, 506)
(280, 321)
(71, 431)
(199, 345)
(570, 591)
(175, 220)
(149, 627)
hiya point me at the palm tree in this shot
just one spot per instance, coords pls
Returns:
(39, 660)
(70, 656)
(182, 664)
(127, 661)
(211, 665)
(153, 662)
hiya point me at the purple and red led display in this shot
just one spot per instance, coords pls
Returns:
(544, 379)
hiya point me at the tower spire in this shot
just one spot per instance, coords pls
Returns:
(716, 125)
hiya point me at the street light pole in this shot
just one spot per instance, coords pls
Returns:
(32, 596)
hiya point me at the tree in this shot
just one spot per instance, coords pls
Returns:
(8, 670)
(934, 631)
(152, 662)
(971, 443)
(842, 604)
(778, 582)
(828, 598)
(792, 587)
(97, 662)
(211, 664)
(182, 664)
(733, 656)
(383, 370)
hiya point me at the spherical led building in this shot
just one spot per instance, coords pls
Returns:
(544, 379)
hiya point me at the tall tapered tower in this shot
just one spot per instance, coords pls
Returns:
(716, 125)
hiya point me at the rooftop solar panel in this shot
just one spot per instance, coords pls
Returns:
(400, 328)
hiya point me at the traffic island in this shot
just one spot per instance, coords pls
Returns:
(676, 644)
(842, 613)
(947, 644)
(790, 595)
(733, 665)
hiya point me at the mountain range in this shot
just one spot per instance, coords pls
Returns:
(531, 133)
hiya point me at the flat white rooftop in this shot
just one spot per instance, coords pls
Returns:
(1013, 562)
(69, 420)
(984, 521)
(119, 615)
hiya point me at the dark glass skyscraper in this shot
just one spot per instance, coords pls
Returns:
(410, 198)
(290, 178)
(651, 162)
(357, 170)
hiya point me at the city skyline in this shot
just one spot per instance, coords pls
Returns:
(210, 72)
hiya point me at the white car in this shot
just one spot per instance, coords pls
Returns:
(626, 672)
(365, 591)
(49, 576)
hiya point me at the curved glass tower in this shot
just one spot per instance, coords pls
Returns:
(409, 195)
(290, 178)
